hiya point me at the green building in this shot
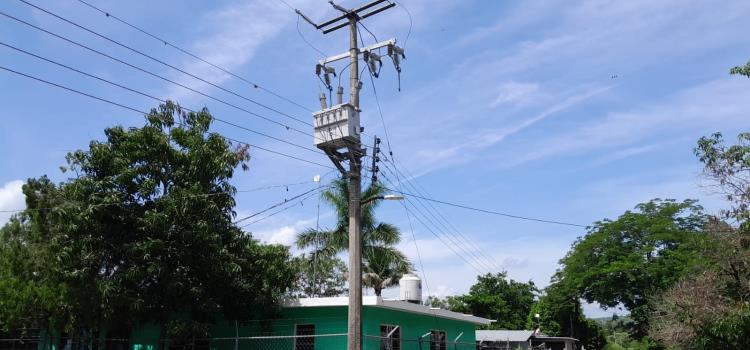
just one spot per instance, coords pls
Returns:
(321, 324)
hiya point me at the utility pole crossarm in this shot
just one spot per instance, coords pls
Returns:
(344, 55)
(342, 21)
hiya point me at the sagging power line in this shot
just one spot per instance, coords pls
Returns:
(133, 109)
(186, 52)
(150, 57)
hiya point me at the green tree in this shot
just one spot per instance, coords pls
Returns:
(497, 297)
(638, 255)
(709, 309)
(383, 263)
(141, 232)
(729, 167)
(741, 70)
(560, 314)
(320, 276)
(450, 302)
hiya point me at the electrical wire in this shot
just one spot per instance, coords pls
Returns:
(275, 206)
(460, 256)
(186, 52)
(411, 22)
(322, 54)
(152, 73)
(146, 113)
(424, 193)
(285, 3)
(368, 30)
(287, 127)
(461, 241)
(476, 258)
(153, 97)
(300, 202)
(164, 63)
(380, 112)
(488, 211)
(219, 193)
(453, 241)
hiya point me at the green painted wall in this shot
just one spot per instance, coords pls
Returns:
(327, 320)
(332, 320)
(413, 327)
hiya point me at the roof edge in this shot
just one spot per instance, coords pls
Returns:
(388, 304)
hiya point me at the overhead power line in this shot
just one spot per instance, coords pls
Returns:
(277, 205)
(146, 113)
(453, 243)
(441, 218)
(462, 242)
(446, 244)
(152, 97)
(186, 52)
(153, 74)
(294, 204)
(139, 52)
(123, 62)
(487, 211)
(188, 196)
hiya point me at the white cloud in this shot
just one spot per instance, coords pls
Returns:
(283, 235)
(514, 93)
(275, 232)
(237, 32)
(431, 159)
(11, 198)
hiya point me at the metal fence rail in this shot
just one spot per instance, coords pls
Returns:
(333, 341)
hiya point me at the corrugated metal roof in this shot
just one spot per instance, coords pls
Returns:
(503, 335)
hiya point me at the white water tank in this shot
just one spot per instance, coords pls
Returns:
(410, 288)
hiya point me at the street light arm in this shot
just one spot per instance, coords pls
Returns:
(388, 197)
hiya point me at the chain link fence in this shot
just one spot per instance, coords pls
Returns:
(271, 342)
(426, 342)
(335, 341)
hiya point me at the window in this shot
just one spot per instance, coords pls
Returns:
(437, 340)
(390, 337)
(305, 341)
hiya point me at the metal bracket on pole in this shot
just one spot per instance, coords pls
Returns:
(336, 158)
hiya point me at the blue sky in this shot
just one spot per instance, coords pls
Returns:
(570, 111)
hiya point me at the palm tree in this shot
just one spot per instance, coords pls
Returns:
(383, 264)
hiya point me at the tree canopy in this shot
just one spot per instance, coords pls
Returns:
(141, 231)
(709, 310)
(641, 253)
(319, 276)
(560, 314)
(496, 297)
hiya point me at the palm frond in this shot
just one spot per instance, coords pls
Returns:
(382, 234)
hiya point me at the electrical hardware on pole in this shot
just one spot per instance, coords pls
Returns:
(338, 132)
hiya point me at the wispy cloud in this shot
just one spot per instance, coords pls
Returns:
(721, 102)
(514, 93)
(236, 32)
(480, 139)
